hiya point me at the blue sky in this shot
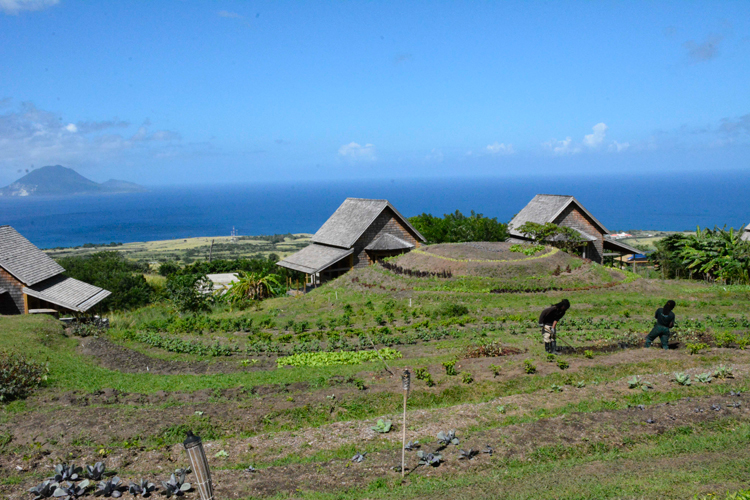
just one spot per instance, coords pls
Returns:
(194, 92)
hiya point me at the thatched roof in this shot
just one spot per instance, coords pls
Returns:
(352, 219)
(24, 260)
(389, 242)
(68, 293)
(544, 208)
(314, 258)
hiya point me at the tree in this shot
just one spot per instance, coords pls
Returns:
(457, 228)
(190, 292)
(111, 271)
(563, 237)
(253, 286)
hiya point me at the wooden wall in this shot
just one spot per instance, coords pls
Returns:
(11, 302)
(385, 223)
(573, 217)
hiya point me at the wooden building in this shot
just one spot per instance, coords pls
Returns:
(359, 233)
(31, 282)
(567, 211)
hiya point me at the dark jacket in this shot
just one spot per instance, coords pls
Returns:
(550, 315)
(665, 320)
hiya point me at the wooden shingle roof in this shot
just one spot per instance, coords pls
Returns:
(352, 219)
(68, 293)
(389, 242)
(314, 258)
(544, 208)
(24, 260)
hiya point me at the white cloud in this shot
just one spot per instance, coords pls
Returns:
(499, 148)
(29, 135)
(13, 7)
(595, 139)
(619, 147)
(563, 147)
(354, 151)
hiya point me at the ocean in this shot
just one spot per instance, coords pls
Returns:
(673, 203)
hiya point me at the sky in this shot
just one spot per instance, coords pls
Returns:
(183, 92)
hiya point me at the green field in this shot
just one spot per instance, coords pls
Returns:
(188, 250)
(580, 426)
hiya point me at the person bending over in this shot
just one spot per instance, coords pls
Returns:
(548, 321)
(664, 321)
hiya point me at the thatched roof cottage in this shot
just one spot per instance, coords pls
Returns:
(359, 232)
(567, 211)
(30, 281)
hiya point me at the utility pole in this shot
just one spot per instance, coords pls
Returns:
(211, 251)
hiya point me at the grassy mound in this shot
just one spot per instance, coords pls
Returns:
(483, 267)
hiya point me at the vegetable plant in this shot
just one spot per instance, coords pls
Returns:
(446, 438)
(65, 472)
(588, 354)
(529, 367)
(96, 472)
(411, 445)
(44, 489)
(176, 485)
(383, 426)
(109, 488)
(555, 388)
(682, 378)
(432, 459)
(696, 348)
(423, 374)
(70, 491)
(467, 378)
(359, 457)
(551, 357)
(562, 364)
(704, 378)
(142, 488)
(495, 370)
(723, 372)
(468, 454)
(450, 368)
(580, 384)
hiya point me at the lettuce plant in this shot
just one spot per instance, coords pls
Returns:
(383, 426)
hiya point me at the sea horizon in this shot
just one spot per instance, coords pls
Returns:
(619, 202)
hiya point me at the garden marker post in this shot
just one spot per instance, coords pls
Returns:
(194, 449)
(406, 384)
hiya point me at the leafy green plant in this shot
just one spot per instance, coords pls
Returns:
(551, 357)
(221, 454)
(66, 472)
(423, 374)
(580, 384)
(723, 372)
(469, 454)
(97, 471)
(634, 382)
(562, 364)
(467, 378)
(588, 354)
(19, 376)
(383, 426)
(682, 378)
(704, 378)
(529, 367)
(495, 370)
(556, 388)
(450, 367)
(315, 359)
(695, 348)
(501, 408)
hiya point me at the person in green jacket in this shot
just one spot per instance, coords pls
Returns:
(664, 321)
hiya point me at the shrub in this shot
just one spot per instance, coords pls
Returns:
(169, 267)
(187, 292)
(451, 310)
(19, 376)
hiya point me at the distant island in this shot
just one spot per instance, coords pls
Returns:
(56, 180)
